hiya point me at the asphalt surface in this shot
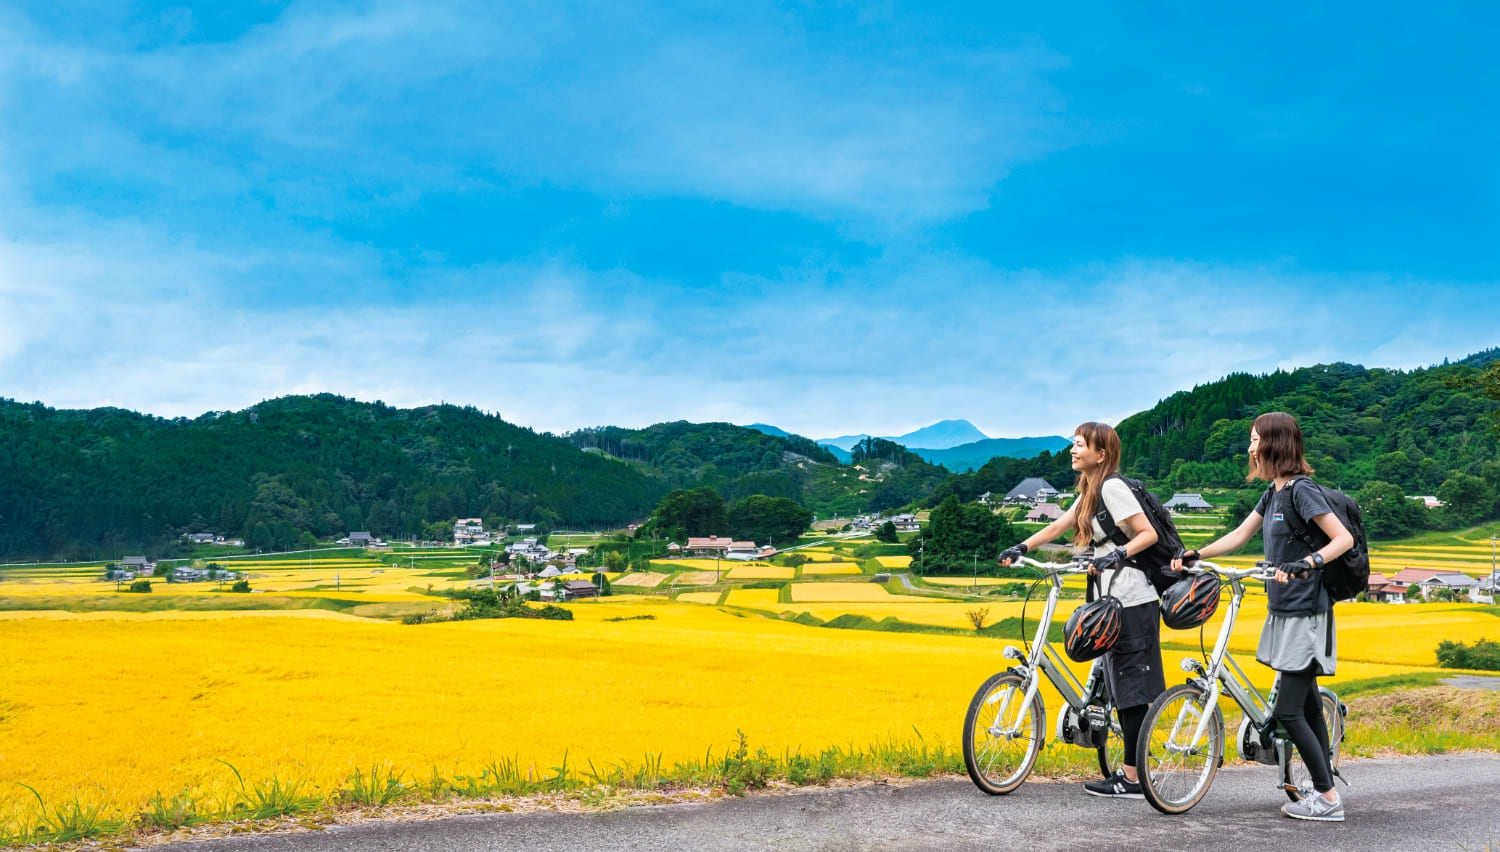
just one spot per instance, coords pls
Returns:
(1428, 803)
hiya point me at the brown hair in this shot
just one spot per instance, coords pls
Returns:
(1100, 437)
(1279, 452)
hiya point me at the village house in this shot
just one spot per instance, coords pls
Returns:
(1382, 589)
(1425, 581)
(359, 539)
(741, 550)
(1030, 490)
(200, 538)
(572, 590)
(1045, 513)
(530, 550)
(905, 522)
(138, 566)
(711, 545)
(468, 531)
(1184, 502)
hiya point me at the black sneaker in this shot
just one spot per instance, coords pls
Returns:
(1116, 786)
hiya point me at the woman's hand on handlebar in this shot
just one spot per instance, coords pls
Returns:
(1010, 555)
(1185, 559)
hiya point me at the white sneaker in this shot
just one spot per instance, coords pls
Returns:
(1315, 807)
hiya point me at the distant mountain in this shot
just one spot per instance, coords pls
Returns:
(843, 442)
(943, 435)
(843, 455)
(973, 456)
(767, 429)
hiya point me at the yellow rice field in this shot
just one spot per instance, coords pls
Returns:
(114, 707)
(822, 592)
(700, 597)
(760, 598)
(894, 561)
(829, 569)
(761, 571)
(966, 581)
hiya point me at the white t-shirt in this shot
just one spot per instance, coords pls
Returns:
(1128, 584)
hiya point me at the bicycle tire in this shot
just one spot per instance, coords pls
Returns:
(1173, 777)
(998, 759)
(1295, 776)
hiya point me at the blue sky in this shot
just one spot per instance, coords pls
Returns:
(839, 217)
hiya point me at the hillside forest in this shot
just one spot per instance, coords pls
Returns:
(98, 483)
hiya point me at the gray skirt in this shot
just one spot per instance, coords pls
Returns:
(1291, 643)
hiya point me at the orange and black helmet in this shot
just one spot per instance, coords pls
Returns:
(1190, 601)
(1092, 629)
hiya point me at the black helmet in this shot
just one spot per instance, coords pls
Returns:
(1190, 601)
(1092, 629)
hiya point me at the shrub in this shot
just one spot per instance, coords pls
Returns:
(140, 586)
(240, 586)
(1483, 655)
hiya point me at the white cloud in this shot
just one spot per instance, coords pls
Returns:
(324, 108)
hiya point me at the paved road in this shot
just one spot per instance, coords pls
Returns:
(1430, 803)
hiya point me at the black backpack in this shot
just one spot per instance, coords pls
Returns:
(1349, 574)
(1156, 560)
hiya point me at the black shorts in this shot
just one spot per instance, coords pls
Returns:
(1134, 665)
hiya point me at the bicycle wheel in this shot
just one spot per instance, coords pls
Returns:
(1295, 776)
(1112, 753)
(1176, 769)
(1002, 734)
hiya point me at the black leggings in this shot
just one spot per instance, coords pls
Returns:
(1299, 709)
(1131, 719)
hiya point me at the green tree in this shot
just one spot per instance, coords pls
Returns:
(691, 512)
(763, 519)
(602, 582)
(886, 532)
(1387, 511)
(1466, 499)
(960, 536)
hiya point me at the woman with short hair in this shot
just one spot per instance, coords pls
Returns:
(1298, 637)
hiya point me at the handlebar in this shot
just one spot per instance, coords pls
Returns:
(1077, 566)
(1261, 571)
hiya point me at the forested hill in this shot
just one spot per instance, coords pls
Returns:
(1412, 429)
(736, 461)
(92, 484)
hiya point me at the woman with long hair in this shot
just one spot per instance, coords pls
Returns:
(1298, 637)
(1134, 664)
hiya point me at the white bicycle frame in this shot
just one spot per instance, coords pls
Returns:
(1042, 657)
(1218, 679)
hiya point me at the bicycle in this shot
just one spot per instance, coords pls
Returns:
(1182, 744)
(1003, 728)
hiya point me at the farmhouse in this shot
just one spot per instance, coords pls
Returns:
(742, 550)
(469, 531)
(1381, 588)
(1045, 513)
(712, 545)
(1030, 490)
(1428, 580)
(358, 539)
(138, 565)
(1183, 502)
(575, 589)
(904, 522)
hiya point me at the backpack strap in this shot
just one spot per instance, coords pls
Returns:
(1298, 525)
(1112, 531)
